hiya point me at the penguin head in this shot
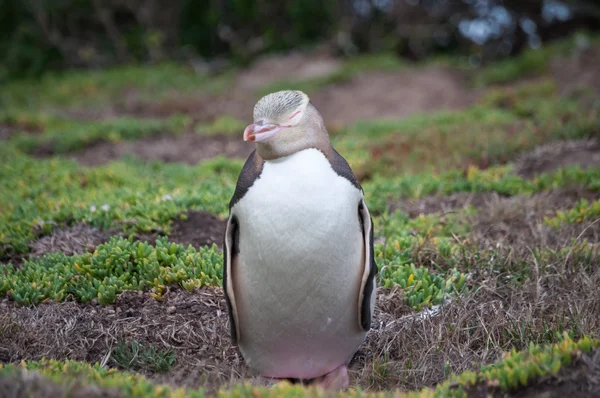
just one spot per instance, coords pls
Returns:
(286, 122)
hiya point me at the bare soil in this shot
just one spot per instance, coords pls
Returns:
(559, 154)
(6, 131)
(293, 66)
(192, 324)
(199, 228)
(187, 148)
(196, 228)
(393, 95)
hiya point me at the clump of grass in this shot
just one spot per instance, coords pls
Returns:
(529, 63)
(133, 355)
(582, 211)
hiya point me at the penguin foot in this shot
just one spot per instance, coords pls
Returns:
(336, 380)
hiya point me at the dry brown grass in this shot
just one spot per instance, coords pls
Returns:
(559, 154)
(518, 221)
(71, 240)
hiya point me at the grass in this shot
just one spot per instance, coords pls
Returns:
(504, 124)
(41, 194)
(488, 275)
(132, 355)
(61, 135)
(225, 124)
(516, 369)
(94, 88)
(583, 211)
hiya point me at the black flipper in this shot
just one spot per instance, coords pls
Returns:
(367, 286)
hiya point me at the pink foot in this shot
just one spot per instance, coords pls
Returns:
(336, 380)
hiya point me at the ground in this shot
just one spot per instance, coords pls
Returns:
(484, 186)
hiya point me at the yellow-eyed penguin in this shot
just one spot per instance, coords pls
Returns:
(299, 271)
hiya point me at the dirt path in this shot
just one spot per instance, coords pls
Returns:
(559, 154)
(393, 95)
(189, 148)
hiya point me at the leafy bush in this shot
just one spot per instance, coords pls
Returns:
(114, 267)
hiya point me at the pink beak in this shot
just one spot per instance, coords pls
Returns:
(256, 133)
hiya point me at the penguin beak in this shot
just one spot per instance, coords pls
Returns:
(256, 133)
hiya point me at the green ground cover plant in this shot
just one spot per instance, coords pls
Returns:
(380, 192)
(122, 264)
(584, 210)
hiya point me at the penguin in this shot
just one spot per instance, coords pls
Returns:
(299, 270)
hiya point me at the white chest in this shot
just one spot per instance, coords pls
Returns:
(299, 207)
